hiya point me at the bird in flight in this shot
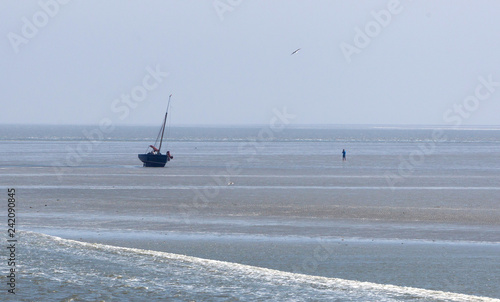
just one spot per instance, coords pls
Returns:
(295, 51)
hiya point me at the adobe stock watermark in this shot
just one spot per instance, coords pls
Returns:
(471, 103)
(223, 7)
(363, 36)
(122, 107)
(31, 27)
(454, 116)
(251, 149)
(139, 93)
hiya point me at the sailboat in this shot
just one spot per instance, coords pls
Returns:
(154, 158)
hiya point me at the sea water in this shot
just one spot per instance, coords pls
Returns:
(412, 214)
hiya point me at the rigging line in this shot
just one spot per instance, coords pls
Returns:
(164, 122)
(156, 141)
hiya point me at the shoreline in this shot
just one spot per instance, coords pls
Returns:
(384, 262)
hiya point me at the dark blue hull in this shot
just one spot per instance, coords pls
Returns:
(154, 160)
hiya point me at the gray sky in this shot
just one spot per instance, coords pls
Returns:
(230, 62)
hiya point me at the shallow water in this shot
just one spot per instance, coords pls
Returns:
(288, 204)
(60, 269)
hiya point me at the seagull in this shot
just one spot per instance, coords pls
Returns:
(295, 51)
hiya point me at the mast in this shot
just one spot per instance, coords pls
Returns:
(164, 122)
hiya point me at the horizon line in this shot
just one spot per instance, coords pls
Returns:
(252, 125)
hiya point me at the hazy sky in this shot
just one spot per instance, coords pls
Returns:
(230, 62)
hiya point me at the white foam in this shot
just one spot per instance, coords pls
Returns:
(243, 278)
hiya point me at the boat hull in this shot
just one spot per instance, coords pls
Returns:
(154, 160)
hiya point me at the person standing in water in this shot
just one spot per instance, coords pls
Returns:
(343, 155)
